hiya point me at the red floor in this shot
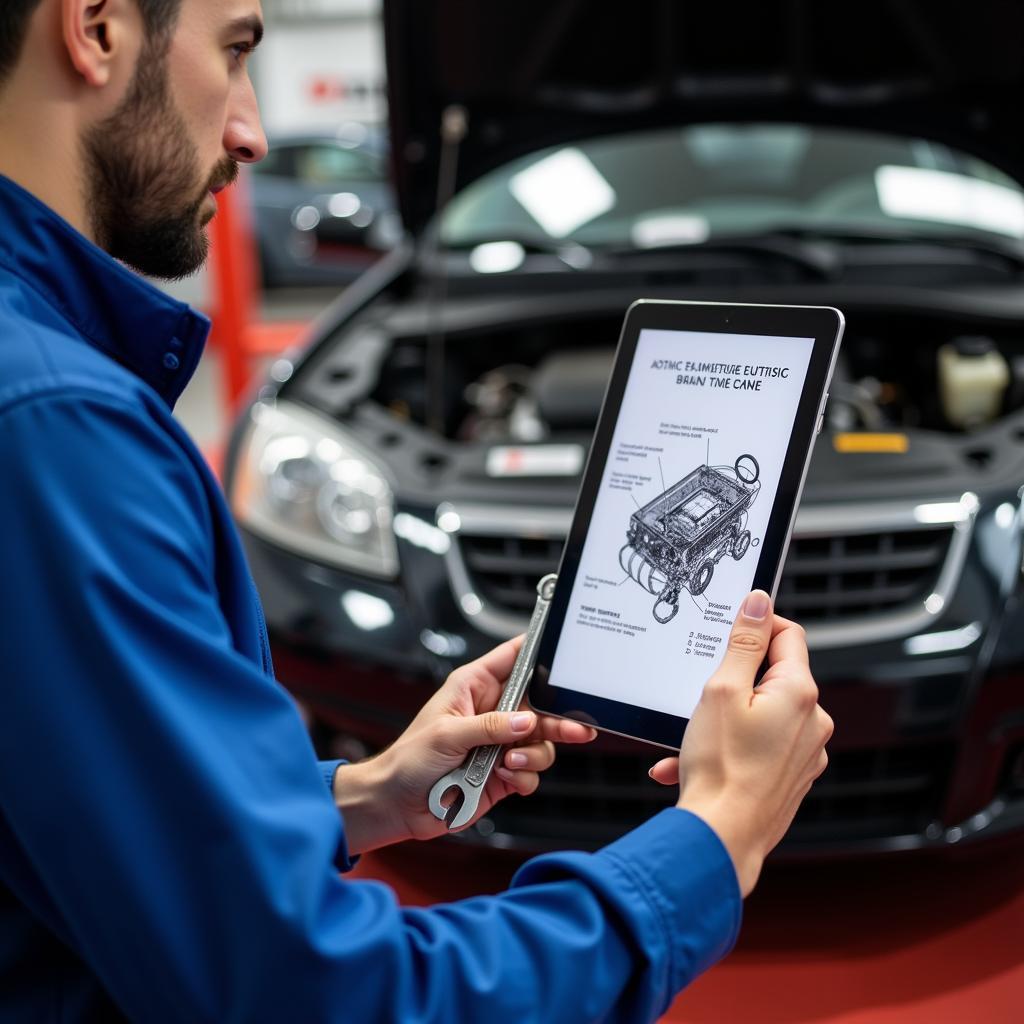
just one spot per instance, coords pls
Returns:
(866, 943)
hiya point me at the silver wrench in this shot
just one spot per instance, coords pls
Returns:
(472, 775)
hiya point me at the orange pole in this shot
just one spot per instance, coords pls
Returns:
(235, 296)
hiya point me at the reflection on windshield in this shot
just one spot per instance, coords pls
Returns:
(562, 192)
(685, 186)
(922, 194)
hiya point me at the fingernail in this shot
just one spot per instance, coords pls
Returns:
(757, 605)
(650, 772)
(517, 760)
(522, 721)
(504, 773)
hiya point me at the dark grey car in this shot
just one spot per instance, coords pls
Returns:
(323, 207)
(403, 483)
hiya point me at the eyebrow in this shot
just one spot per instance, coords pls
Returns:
(250, 23)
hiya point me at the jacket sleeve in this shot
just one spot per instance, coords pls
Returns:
(166, 816)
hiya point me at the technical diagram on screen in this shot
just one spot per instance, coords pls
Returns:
(675, 541)
(687, 503)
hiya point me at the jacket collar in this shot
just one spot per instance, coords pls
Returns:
(113, 309)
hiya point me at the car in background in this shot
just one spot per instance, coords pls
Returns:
(403, 481)
(323, 207)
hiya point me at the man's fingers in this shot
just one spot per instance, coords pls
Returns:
(789, 642)
(461, 735)
(535, 757)
(666, 771)
(563, 730)
(825, 724)
(523, 782)
(748, 644)
(493, 668)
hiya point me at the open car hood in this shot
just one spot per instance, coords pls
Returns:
(527, 74)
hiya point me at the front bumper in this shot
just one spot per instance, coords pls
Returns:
(929, 744)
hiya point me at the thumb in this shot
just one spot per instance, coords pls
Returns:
(491, 727)
(748, 642)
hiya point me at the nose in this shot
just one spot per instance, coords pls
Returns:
(244, 139)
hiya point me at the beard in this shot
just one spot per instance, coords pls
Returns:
(145, 192)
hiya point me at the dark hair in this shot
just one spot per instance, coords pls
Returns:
(158, 16)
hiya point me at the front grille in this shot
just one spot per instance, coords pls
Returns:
(826, 579)
(849, 575)
(584, 801)
(589, 799)
(871, 794)
(504, 570)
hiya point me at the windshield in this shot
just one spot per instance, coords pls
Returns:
(685, 186)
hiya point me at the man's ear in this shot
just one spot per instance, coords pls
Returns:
(95, 34)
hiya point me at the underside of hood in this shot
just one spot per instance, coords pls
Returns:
(475, 83)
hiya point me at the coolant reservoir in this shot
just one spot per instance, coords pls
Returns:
(973, 376)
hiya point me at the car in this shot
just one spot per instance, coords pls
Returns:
(403, 481)
(323, 209)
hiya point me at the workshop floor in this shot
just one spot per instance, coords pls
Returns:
(881, 942)
(916, 941)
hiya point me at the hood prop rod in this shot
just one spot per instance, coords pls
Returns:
(453, 128)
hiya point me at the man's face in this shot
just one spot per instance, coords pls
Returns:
(188, 120)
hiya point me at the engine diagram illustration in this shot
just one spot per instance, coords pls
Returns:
(674, 542)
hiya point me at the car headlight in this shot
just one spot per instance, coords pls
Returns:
(303, 483)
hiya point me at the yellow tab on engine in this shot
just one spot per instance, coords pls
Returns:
(892, 444)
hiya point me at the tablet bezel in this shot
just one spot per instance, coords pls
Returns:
(822, 323)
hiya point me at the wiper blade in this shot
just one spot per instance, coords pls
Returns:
(815, 261)
(1007, 249)
(572, 253)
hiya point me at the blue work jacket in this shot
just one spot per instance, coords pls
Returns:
(169, 850)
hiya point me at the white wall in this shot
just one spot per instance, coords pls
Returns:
(313, 73)
(283, 9)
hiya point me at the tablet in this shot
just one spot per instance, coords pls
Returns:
(687, 503)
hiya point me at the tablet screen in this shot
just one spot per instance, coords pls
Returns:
(684, 500)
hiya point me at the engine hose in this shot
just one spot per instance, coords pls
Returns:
(672, 604)
(642, 571)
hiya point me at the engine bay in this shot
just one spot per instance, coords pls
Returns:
(900, 370)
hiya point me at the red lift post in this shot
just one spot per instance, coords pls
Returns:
(239, 335)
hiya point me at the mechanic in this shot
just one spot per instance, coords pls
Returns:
(169, 847)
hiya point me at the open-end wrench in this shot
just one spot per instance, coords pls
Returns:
(472, 775)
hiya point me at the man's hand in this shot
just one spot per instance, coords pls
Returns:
(750, 754)
(384, 800)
